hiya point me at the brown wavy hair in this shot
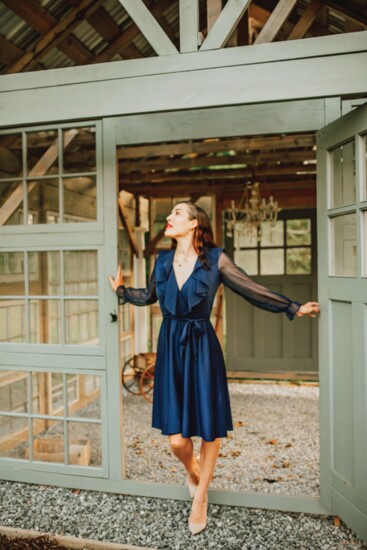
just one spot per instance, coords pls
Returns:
(203, 232)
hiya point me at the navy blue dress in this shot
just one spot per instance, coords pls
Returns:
(190, 393)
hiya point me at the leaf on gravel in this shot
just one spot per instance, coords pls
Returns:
(238, 424)
(174, 470)
(272, 442)
(229, 436)
(235, 453)
(288, 445)
(222, 455)
(286, 464)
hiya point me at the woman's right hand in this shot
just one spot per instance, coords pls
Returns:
(118, 281)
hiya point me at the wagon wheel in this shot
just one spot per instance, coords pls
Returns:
(131, 373)
(147, 382)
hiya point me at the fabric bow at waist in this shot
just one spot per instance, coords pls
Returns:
(191, 333)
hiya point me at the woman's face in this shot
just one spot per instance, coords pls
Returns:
(179, 223)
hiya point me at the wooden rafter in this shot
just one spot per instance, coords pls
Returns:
(157, 178)
(189, 25)
(299, 188)
(240, 145)
(250, 159)
(130, 232)
(42, 21)
(56, 35)
(275, 21)
(123, 40)
(149, 27)
(225, 24)
(306, 20)
(40, 168)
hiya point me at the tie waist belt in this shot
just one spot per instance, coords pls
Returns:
(191, 333)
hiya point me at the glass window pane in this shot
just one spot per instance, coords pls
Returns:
(45, 321)
(79, 150)
(84, 395)
(11, 203)
(12, 274)
(47, 393)
(81, 322)
(80, 203)
(44, 273)
(13, 391)
(298, 232)
(12, 321)
(11, 165)
(245, 240)
(272, 261)
(343, 186)
(247, 260)
(85, 447)
(42, 153)
(298, 261)
(81, 273)
(272, 235)
(14, 438)
(48, 440)
(344, 248)
(43, 201)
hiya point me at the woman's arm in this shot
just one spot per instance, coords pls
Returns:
(135, 296)
(237, 280)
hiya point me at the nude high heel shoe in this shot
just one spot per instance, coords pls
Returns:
(189, 483)
(196, 528)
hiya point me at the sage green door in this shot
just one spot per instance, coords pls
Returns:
(342, 235)
(56, 339)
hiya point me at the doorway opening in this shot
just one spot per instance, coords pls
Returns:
(273, 383)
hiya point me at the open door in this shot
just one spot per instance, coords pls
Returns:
(342, 234)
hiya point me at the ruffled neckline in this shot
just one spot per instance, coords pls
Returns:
(193, 291)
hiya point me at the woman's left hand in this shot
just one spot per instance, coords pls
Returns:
(309, 309)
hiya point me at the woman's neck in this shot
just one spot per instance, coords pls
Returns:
(185, 248)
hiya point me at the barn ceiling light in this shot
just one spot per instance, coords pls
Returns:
(251, 213)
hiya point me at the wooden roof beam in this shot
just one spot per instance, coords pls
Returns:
(125, 222)
(42, 21)
(246, 173)
(149, 27)
(250, 159)
(55, 35)
(123, 40)
(225, 24)
(240, 145)
(189, 25)
(306, 20)
(276, 20)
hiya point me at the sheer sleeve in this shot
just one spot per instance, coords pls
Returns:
(235, 278)
(139, 296)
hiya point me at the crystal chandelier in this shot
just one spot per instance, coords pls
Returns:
(251, 213)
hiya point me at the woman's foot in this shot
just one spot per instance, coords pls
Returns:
(198, 516)
(193, 475)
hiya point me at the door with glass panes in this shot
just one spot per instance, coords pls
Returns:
(283, 259)
(342, 231)
(52, 338)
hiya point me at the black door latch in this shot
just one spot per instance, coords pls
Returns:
(113, 317)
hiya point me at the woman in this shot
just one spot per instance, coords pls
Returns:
(190, 386)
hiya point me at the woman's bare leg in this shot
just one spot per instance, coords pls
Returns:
(208, 458)
(183, 448)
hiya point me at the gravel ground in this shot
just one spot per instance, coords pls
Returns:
(274, 447)
(162, 523)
